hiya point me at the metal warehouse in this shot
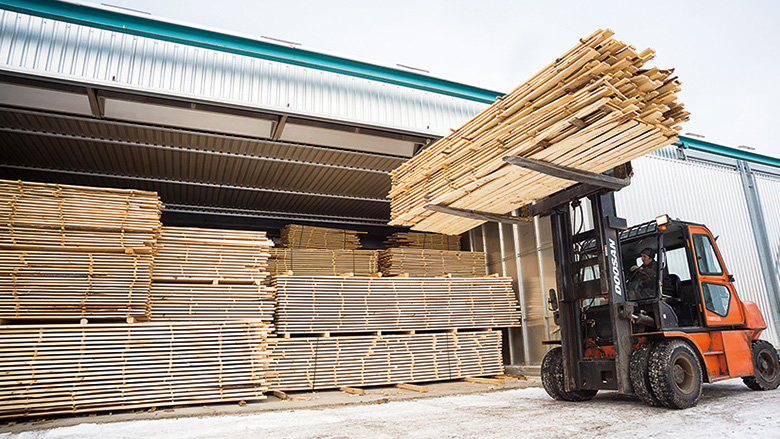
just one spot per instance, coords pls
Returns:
(238, 132)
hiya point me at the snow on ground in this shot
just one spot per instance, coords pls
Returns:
(727, 410)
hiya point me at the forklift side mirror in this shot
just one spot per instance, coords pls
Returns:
(552, 300)
(731, 278)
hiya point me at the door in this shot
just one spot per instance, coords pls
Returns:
(720, 302)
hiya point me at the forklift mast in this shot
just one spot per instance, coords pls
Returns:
(602, 373)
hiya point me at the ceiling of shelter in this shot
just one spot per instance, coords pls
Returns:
(198, 170)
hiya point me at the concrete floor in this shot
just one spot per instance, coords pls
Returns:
(298, 401)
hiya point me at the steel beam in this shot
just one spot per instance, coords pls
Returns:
(264, 214)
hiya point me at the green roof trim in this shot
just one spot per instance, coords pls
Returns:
(735, 153)
(180, 33)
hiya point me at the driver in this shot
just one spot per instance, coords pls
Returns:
(644, 277)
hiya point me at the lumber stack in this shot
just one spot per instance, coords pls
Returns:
(70, 252)
(322, 262)
(329, 362)
(432, 241)
(417, 262)
(298, 236)
(210, 274)
(596, 107)
(307, 305)
(55, 369)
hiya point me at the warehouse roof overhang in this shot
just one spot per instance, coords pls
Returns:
(213, 131)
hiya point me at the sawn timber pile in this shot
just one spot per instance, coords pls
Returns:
(433, 241)
(322, 262)
(70, 369)
(417, 262)
(69, 252)
(298, 236)
(596, 107)
(367, 360)
(307, 305)
(211, 275)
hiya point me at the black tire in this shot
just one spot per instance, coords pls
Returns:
(640, 359)
(553, 379)
(675, 374)
(766, 373)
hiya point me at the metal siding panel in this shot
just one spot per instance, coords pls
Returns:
(706, 193)
(98, 56)
(769, 193)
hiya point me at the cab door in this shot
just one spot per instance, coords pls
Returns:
(721, 305)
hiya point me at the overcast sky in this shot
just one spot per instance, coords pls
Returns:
(726, 53)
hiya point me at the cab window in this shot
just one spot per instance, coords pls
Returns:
(716, 298)
(677, 263)
(706, 257)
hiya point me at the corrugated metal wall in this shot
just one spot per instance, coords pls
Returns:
(708, 193)
(59, 49)
(769, 191)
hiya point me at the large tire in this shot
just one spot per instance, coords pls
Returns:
(640, 359)
(553, 379)
(766, 373)
(675, 374)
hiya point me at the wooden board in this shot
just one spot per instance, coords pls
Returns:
(307, 305)
(357, 361)
(207, 302)
(596, 107)
(52, 369)
(418, 262)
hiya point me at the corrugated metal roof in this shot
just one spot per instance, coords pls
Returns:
(67, 51)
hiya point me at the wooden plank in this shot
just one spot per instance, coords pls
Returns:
(353, 390)
(413, 387)
(483, 380)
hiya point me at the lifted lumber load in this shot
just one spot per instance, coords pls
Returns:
(594, 108)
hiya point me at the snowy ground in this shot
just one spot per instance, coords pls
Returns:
(727, 410)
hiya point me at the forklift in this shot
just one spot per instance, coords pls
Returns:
(657, 330)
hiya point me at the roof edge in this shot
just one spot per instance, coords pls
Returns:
(176, 32)
(727, 151)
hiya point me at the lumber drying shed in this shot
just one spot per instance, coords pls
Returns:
(239, 132)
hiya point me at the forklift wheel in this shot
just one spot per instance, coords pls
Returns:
(675, 374)
(765, 367)
(553, 379)
(640, 379)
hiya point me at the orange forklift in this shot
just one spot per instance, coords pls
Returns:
(658, 332)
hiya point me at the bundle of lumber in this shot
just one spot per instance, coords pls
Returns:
(207, 302)
(73, 285)
(596, 107)
(87, 368)
(69, 252)
(188, 254)
(433, 241)
(211, 275)
(418, 262)
(322, 363)
(298, 236)
(322, 262)
(39, 216)
(307, 305)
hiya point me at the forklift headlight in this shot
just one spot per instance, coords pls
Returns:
(662, 220)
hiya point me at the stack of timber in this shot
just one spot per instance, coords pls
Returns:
(430, 263)
(596, 107)
(56, 369)
(322, 262)
(209, 274)
(298, 236)
(432, 241)
(368, 360)
(307, 305)
(70, 252)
